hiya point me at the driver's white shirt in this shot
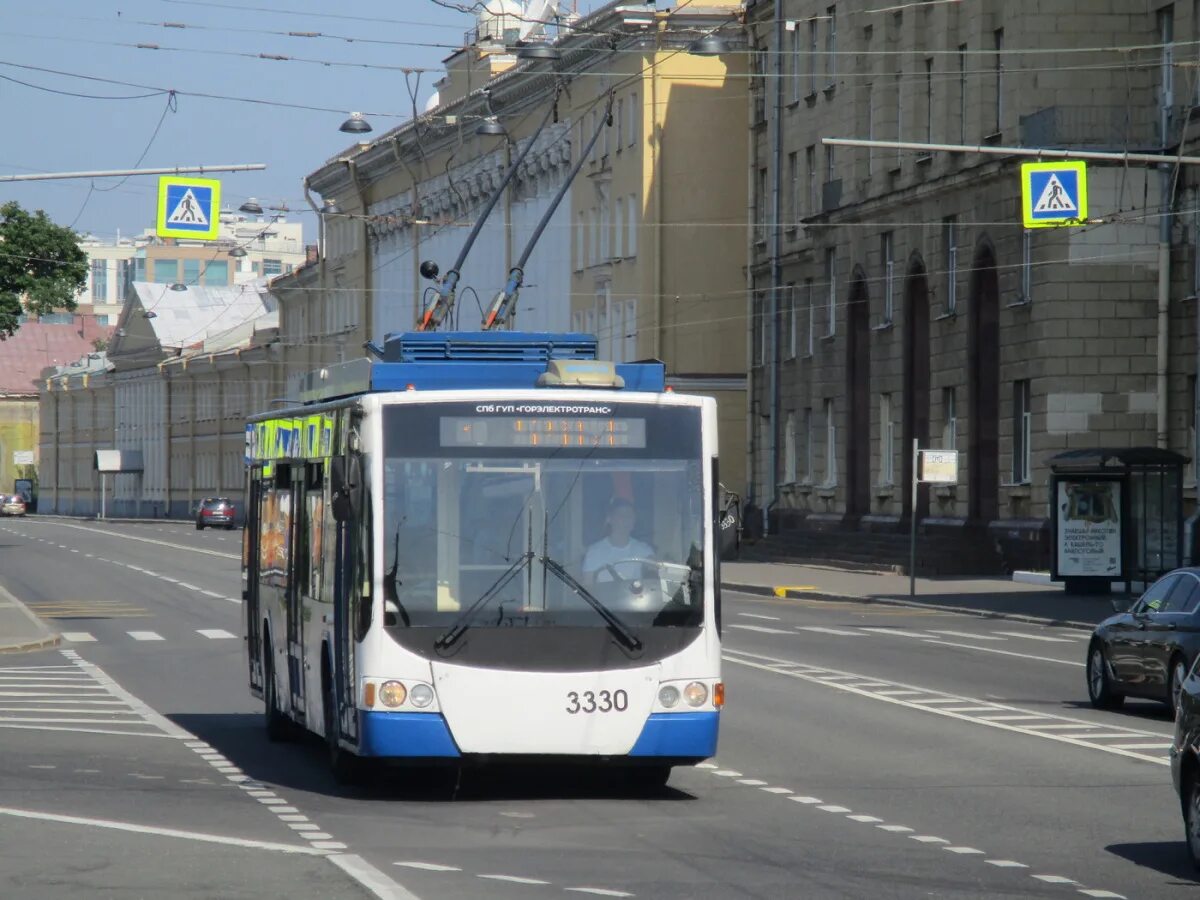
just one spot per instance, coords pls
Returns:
(605, 553)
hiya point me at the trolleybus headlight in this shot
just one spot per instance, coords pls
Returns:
(421, 695)
(392, 693)
(668, 695)
(695, 694)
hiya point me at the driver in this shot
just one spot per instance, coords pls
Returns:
(620, 550)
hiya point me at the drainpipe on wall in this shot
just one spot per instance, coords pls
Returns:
(776, 268)
(1164, 297)
(656, 149)
(753, 451)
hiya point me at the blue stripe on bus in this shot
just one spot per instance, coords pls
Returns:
(678, 734)
(405, 734)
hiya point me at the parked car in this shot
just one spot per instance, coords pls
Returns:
(1185, 760)
(215, 511)
(1149, 650)
(12, 505)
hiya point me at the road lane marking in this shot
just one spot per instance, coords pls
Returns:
(599, 892)
(819, 629)
(130, 537)
(199, 836)
(215, 633)
(426, 866)
(964, 851)
(965, 709)
(1049, 659)
(756, 616)
(834, 808)
(1166, 746)
(936, 702)
(1107, 894)
(515, 879)
(1006, 863)
(760, 628)
(966, 634)
(145, 635)
(1035, 637)
(897, 632)
(866, 820)
(894, 829)
(1055, 879)
(78, 637)
(927, 839)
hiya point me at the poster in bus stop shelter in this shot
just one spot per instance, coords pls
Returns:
(1089, 528)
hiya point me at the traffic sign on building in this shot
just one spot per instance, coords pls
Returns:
(1054, 193)
(188, 208)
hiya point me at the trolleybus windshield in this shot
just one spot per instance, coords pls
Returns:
(607, 498)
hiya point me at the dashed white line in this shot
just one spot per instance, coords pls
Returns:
(1006, 863)
(215, 633)
(866, 820)
(819, 629)
(895, 829)
(145, 635)
(1035, 637)
(515, 879)
(78, 637)
(927, 839)
(426, 866)
(599, 892)
(1055, 879)
(963, 851)
(1095, 893)
(762, 629)
(756, 616)
(834, 809)
(1049, 659)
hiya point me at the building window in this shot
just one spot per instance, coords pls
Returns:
(885, 252)
(810, 309)
(99, 280)
(124, 279)
(1191, 432)
(605, 230)
(758, 335)
(634, 112)
(788, 327)
(830, 445)
(812, 55)
(618, 248)
(595, 257)
(795, 48)
(1166, 77)
(629, 330)
(831, 296)
(870, 88)
(580, 241)
(1022, 430)
(619, 121)
(604, 331)
(950, 242)
(949, 419)
(217, 272)
(887, 440)
(793, 212)
(593, 116)
(899, 114)
(810, 161)
(830, 163)
(760, 206)
(631, 232)
(998, 43)
(272, 267)
(1027, 266)
(166, 271)
(191, 272)
(806, 460)
(929, 101)
(962, 93)
(789, 449)
(831, 46)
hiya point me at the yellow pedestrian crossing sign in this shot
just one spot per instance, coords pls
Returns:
(188, 207)
(1054, 193)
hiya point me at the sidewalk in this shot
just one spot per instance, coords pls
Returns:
(991, 597)
(21, 630)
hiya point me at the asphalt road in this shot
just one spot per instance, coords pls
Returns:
(865, 752)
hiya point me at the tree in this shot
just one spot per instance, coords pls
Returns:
(42, 266)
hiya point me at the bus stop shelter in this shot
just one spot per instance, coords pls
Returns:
(1116, 515)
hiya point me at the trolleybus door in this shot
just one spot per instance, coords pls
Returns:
(250, 574)
(295, 589)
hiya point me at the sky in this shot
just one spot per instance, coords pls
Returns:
(215, 54)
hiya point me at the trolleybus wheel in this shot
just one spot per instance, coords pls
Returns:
(278, 726)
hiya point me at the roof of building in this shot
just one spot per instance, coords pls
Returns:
(188, 318)
(39, 345)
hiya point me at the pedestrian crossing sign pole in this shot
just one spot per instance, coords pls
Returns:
(188, 208)
(1054, 194)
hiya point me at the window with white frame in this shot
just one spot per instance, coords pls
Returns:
(810, 160)
(831, 292)
(950, 245)
(618, 247)
(1027, 266)
(899, 78)
(998, 72)
(629, 330)
(1022, 432)
(635, 113)
(812, 55)
(593, 118)
(830, 46)
(788, 326)
(796, 53)
(1166, 65)
(830, 445)
(870, 106)
(789, 449)
(581, 241)
(929, 100)
(597, 230)
(603, 324)
(631, 233)
(605, 230)
(887, 441)
(949, 419)
(619, 122)
(962, 93)
(810, 314)
(889, 265)
(806, 459)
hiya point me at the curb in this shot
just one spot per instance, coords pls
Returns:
(50, 639)
(111, 519)
(767, 591)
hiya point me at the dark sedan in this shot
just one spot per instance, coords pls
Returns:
(215, 511)
(1185, 760)
(1148, 651)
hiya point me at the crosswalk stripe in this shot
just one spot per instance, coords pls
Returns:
(145, 635)
(77, 637)
(1141, 746)
(215, 633)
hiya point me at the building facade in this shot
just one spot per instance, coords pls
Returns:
(647, 247)
(896, 295)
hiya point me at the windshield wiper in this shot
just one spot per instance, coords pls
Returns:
(626, 635)
(463, 622)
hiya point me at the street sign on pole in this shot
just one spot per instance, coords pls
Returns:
(1054, 194)
(929, 467)
(188, 208)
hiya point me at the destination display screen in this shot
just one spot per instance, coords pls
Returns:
(542, 431)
